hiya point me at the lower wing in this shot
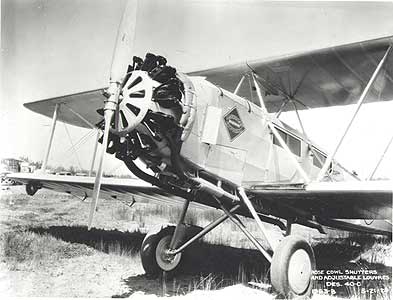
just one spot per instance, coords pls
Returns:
(335, 204)
(112, 188)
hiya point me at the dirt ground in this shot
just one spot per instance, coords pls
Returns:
(59, 257)
(111, 267)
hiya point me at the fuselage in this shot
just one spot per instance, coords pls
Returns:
(188, 127)
(230, 138)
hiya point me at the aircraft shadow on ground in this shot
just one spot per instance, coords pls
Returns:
(204, 266)
(99, 239)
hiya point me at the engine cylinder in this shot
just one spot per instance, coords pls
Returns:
(155, 113)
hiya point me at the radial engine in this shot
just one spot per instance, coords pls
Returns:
(154, 117)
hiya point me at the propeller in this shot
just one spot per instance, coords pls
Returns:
(120, 59)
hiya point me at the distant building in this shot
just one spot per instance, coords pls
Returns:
(11, 164)
(25, 167)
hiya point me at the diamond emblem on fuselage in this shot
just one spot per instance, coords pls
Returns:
(234, 124)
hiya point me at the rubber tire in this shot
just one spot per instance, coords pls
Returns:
(280, 266)
(148, 250)
(31, 189)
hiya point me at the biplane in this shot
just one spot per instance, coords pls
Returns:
(214, 137)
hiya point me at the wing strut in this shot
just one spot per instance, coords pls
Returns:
(331, 156)
(94, 153)
(269, 157)
(276, 134)
(307, 140)
(380, 159)
(239, 85)
(261, 101)
(52, 131)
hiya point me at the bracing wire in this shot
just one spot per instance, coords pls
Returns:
(79, 143)
(72, 145)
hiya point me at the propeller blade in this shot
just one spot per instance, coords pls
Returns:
(97, 184)
(124, 42)
(120, 60)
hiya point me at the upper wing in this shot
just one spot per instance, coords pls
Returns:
(76, 109)
(325, 77)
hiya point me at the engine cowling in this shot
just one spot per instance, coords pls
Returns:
(156, 122)
(154, 115)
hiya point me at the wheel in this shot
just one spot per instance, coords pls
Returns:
(291, 268)
(31, 189)
(154, 251)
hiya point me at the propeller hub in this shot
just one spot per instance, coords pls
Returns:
(134, 102)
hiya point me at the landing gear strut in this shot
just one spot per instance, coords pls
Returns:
(291, 264)
(163, 247)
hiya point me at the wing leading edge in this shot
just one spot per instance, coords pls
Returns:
(331, 200)
(78, 109)
(334, 204)
(326, 77)
(112, 188)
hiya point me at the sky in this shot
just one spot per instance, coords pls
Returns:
(53, 48)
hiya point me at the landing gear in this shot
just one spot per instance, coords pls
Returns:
(31, 189)
(166, 262)
(291, 268)
(291, 264)
(154, 251)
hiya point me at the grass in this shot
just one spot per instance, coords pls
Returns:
(367, 289)
(354, 251)
(50, 227)
(21, 247)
